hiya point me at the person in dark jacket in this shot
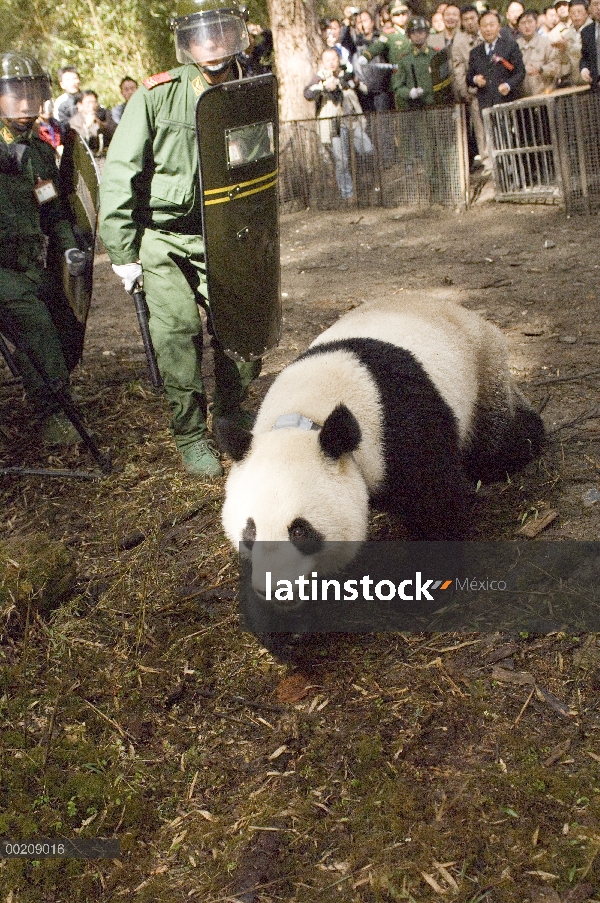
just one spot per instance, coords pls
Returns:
(495, 67)
(128, 87)
(590, 48)
(34, 239)
(257, 58)
(65, 106)
(376, 74)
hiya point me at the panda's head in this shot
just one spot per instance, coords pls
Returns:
(299, 487)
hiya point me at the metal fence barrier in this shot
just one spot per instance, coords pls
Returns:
(375, 160)
(522, 144)
(547, 149)
(578, 131)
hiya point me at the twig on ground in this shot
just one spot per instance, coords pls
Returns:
(553, 380)
(590, 415)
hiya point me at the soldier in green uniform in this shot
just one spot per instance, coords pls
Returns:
(424, 145)
(412, 83)
(391, 46)
(34, 313)
(150, 221)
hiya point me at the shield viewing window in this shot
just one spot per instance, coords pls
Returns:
(249, 143)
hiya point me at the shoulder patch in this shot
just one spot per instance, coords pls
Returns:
(161, 79)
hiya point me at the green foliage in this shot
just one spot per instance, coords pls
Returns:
(104, 39)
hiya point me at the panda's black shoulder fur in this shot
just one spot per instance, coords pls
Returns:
(424, 481)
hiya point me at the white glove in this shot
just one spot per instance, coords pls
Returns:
(362, 60)
(129, 274)
(414, 93)
(76, 261)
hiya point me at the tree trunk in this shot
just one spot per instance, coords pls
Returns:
(297, 43)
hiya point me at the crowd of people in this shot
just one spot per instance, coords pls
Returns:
(81, 111)
(397, 60)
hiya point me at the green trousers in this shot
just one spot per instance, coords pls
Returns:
(175, 284)
(39, 332)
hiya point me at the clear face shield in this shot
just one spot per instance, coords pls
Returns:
(210, 36)
(23, 98)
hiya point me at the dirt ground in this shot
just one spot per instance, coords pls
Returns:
(383, 768)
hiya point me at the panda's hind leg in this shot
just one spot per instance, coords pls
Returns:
(506, 434)
(504, 442)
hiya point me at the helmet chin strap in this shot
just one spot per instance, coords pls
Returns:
(21, 127)
(218, 68)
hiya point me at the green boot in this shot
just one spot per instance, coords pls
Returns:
(58, 430)
(201, 459)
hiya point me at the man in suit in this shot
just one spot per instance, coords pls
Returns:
(495, 67)
(590, 48)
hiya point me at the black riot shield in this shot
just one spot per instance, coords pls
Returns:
(80, 189)
(237, 134)
(441, 77)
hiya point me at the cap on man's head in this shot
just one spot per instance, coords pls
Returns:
(398, 8)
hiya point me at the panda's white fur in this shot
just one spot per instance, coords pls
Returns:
(446, 339)
(463, 382)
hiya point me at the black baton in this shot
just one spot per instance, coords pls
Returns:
(141, 309)
(10, 361)
(62, 398)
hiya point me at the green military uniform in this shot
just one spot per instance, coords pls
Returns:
(391, 46)
(150, 211)
(414, 71)
(34, 313)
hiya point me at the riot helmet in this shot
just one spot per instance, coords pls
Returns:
(209, 33)
(417, 24)
(24, 87)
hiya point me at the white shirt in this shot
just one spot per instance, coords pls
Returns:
(343, 53)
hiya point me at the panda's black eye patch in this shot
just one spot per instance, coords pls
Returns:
(249, 534)
(304, 536)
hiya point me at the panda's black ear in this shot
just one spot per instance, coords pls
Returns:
(232, 439)
(340, 433)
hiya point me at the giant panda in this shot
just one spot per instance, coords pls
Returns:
(403, 406)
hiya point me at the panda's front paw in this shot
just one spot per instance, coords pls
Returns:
(231, 437)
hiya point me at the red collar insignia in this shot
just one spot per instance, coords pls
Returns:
(161, 79)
